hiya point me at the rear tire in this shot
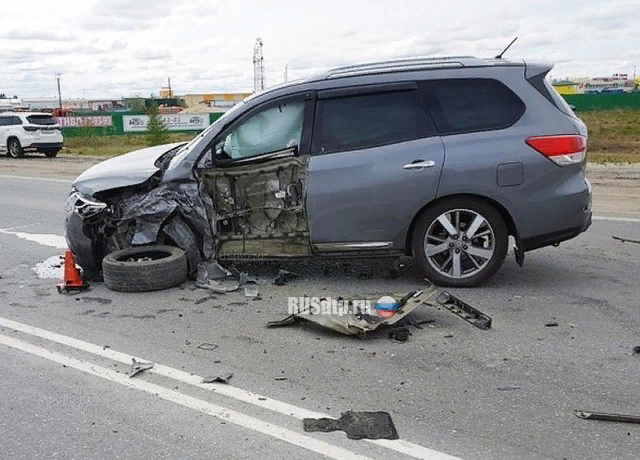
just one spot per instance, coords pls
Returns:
(14, 149)
(459, 254)
(51, 153)
(166, 268)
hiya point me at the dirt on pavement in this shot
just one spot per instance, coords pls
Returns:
(616, 188)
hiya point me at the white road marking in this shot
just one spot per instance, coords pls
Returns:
(401, 446)
(45, 239)
(617, 219)
(238, 418)
(46, 179)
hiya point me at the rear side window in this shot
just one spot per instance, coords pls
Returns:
(44, 120)
(369, 120)
(470, 105)
(16, 121)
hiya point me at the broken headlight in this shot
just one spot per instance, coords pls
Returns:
(85, 206)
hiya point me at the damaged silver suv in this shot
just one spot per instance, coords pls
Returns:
(442, 159)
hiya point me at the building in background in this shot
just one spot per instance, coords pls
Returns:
(617, 83)
(222, 100)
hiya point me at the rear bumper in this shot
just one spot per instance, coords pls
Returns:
(582, 220)
(45, 145)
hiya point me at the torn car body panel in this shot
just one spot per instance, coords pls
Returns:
(359, 322)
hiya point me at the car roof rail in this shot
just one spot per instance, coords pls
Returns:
(404, 65)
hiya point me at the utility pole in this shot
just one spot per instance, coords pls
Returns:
(286, 73)
(59, 93)
(169, 83)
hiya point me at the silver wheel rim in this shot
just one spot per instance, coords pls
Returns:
(13, 149)
(459, 243)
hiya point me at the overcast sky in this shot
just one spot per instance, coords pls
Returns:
(113, 48)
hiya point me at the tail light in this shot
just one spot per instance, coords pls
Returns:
(563, 150)
(30, 128)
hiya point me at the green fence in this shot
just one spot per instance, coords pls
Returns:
(112, 124)
(604, 101)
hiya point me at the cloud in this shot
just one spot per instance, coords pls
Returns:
(18, 34)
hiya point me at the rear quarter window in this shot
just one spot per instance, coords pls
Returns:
(44, 120)
(471, 105)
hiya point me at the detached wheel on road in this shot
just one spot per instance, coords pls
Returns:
(51, 153)
(14, 149)
(460, 242)
(144, 268)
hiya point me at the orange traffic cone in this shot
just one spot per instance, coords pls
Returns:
(72, 279)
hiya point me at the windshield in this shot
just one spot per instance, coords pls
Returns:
(186, 149)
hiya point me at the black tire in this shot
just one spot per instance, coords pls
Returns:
(51, 153)
(167, 269)
(489, 266)
(14, 149)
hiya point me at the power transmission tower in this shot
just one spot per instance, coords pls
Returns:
(258, 66)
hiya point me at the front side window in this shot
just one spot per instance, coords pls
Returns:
(471, 105)
(16, 121)
(362, 121)
(5, 121)
(275, 128)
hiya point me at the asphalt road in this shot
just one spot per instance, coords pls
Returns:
(509, 392)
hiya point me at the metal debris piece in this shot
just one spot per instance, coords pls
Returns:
(357, 425)
(358, 322)
(212, 271)
(418, 323)
(625, 240)
(284, 276)
(207, 346)
(636, 350)
(508, 388)
(399, 335)
(252, 291)
(551, 324)
(224, 285)
(138, 366)
(464, 310)
(281, 378)
(608, 417)
(223, 377)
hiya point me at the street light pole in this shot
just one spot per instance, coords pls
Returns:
(59, 93)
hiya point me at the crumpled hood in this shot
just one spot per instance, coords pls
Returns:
(130, 169)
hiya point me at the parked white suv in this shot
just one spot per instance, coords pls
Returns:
(24, 131)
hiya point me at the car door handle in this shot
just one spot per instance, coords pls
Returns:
(419, 164)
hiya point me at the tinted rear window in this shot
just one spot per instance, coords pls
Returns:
(469, 105)
(41, 120)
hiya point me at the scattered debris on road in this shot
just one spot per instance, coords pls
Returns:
(207, 346)
(357, 425)
(636, 350)
(222, 285)
(608, 417)
(138, 367)
(625, 240)
(281, 378)
(464, 310)
(252, 291)
(551, 324)
(223, 377)
(418, 323)
(359, 322)
(399, 335)
(508, 388)
(284, 276)
(50, 268)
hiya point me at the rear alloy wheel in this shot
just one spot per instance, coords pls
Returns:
(14, 149)
(144, 268)
(51, 153)
(460, 242)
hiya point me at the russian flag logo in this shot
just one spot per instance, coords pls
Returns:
(386, 306)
